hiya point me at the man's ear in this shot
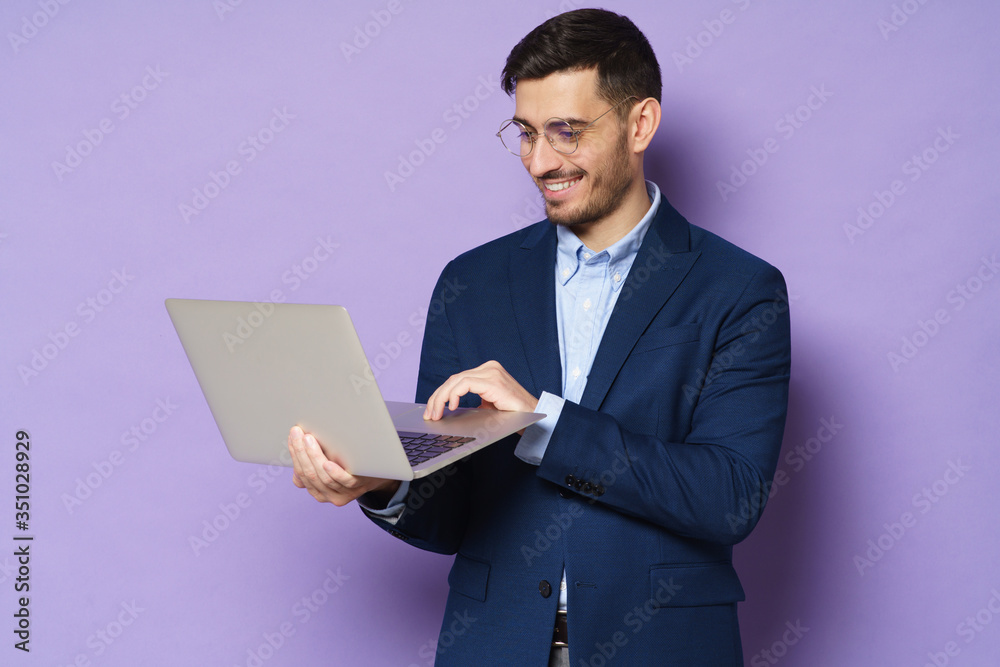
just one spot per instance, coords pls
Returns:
(645, 119)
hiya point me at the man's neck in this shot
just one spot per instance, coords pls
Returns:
(607, 231)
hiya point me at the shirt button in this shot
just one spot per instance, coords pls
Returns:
(618, 277)
(576, 373)
(586, 304)
(565, 273)
(586, 255)
(562, 585)
(545, 588)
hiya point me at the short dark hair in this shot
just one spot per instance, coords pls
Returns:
(586, 39)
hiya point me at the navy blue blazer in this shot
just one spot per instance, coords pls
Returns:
(645, 485)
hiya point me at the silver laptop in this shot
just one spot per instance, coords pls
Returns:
(265, 367)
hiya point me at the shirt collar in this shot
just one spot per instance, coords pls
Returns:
(570, 250)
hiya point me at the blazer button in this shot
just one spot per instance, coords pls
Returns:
(578, 484)
(570, 480)
(544, 588)
(599, 490)
(588, 488)
(396, 533)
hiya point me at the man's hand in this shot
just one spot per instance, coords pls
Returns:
(495, 387)
(324, 479)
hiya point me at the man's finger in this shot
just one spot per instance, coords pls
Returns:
(316, 457)
(309, 473)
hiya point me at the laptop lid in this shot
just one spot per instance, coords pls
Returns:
(264, 367)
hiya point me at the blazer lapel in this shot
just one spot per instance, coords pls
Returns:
(533, 293)
(663, 261)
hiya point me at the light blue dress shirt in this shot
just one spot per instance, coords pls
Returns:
(587, 287)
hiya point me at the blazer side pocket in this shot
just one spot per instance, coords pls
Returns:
(694, 585)
(469, 577)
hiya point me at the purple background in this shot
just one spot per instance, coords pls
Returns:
(350, 118)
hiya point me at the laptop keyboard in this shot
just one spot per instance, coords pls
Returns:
(421, 447)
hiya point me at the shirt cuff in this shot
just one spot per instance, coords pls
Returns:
(391, 513)
(531, 448)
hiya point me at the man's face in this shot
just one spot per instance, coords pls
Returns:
(590, 183)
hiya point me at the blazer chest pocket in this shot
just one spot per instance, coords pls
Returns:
(658, 337)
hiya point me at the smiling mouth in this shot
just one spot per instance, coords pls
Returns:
(557, 187)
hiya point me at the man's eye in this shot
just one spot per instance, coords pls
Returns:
(562, 133)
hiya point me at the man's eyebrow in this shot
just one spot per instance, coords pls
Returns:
(523, 122)
(575, 122)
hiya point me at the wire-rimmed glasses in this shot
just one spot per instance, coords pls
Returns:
(519, 140)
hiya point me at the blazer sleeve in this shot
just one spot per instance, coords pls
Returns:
(713, 484)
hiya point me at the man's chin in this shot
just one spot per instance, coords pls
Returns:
(559, 215)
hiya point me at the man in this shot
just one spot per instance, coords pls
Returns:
(660, 354)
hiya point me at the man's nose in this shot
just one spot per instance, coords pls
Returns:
(543, 158)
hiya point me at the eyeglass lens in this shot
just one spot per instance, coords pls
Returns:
(519, 142)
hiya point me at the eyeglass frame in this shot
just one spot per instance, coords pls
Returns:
(534, 135)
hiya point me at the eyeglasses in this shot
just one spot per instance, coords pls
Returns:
(519, 140)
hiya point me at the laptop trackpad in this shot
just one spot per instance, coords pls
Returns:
(397, 408)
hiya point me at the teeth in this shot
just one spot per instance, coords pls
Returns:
(556, 187)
